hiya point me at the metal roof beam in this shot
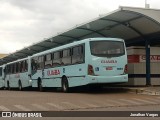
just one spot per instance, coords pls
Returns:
(41, 46)
(15, 56)
(54, 42)
(33, 50)
(136, 40)
(76, 38)
(137, 31)
(8, 59)
(93, 31)
(153, 38)
(123, 23)
(126, 24)
(24, 53)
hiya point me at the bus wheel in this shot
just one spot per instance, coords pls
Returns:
(65, 86)
(8, 86)
(20, 86)
(40, 87)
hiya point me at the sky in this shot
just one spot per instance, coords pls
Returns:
(25, 22)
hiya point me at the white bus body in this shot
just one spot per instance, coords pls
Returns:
(17, 74)
(2, 76)
(90, 61)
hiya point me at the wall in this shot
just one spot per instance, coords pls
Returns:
(137, 66)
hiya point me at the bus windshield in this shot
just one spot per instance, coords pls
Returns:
(107, 48)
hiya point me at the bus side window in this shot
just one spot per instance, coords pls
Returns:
(66, 56)
(8, 69)
(48, 60)
(26, 65)
(12, 65)
(34, 64)
(40, 62)
(0, 71)
(4, 70)
(21, 66)
(57, 59)
(77, 54)
(17, 67)
(14, 68)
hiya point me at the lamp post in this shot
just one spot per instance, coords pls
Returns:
(146, 5)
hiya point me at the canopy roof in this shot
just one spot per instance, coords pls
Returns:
(134, 25)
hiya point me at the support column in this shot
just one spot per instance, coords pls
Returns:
(148, 77)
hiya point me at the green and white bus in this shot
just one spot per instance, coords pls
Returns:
(89, 61)
(17, 74)
(1, 76)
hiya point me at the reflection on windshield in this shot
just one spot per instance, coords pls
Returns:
(107, 48)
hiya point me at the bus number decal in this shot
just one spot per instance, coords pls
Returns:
(53, 72)
(109, 61)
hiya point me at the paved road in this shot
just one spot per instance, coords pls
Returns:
(58, 101)
(105, 100)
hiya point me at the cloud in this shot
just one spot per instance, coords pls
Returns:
(29, 21)
(24, 22)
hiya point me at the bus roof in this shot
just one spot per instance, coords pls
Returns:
(17, 61)
(76, 43)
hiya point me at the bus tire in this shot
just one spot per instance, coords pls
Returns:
(65, 85)
(20, 85)
(40, 87)
(8, 86)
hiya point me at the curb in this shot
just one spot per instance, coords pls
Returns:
(143, 91)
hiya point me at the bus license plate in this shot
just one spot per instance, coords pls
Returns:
(109, 68)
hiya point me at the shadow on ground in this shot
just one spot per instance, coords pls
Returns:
(83, 89)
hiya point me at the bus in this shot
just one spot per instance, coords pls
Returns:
(1, 77)
(17, 74)
(89, 61)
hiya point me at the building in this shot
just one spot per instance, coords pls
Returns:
(2, 55)
(139, 27)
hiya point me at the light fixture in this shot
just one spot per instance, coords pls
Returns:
(147, 6)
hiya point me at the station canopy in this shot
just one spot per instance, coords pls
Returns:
(134, 25)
